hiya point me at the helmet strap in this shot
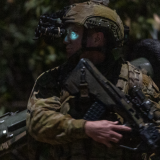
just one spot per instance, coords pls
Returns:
(84, 38)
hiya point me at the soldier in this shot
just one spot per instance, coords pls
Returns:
(53, 119)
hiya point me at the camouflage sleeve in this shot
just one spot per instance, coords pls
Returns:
(150, 88)
(151, 91)
(44, 121)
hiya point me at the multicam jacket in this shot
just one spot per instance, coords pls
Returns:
(54, 122)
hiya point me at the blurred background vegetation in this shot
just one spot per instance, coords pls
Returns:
(22, 59)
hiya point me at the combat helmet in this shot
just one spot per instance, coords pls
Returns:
(96, 14)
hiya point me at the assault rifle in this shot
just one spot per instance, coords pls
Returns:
(137, 110)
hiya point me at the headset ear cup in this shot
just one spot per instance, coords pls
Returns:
(50, 26)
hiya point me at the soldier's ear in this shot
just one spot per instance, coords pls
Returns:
(95, 39)
(99, 39)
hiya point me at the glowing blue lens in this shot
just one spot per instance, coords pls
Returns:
(74, 36)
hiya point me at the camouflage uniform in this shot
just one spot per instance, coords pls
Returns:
(62, 135)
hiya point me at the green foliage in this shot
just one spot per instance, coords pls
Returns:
(139, 16)
(23, 59)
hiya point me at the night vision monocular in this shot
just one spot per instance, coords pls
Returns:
(50, 26)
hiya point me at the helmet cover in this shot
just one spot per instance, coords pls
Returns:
(94, 15)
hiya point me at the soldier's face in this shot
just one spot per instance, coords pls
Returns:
(73, 39)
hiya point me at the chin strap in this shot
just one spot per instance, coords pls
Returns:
(84, 39)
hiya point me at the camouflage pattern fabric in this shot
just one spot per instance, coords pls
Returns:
(154, 157)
